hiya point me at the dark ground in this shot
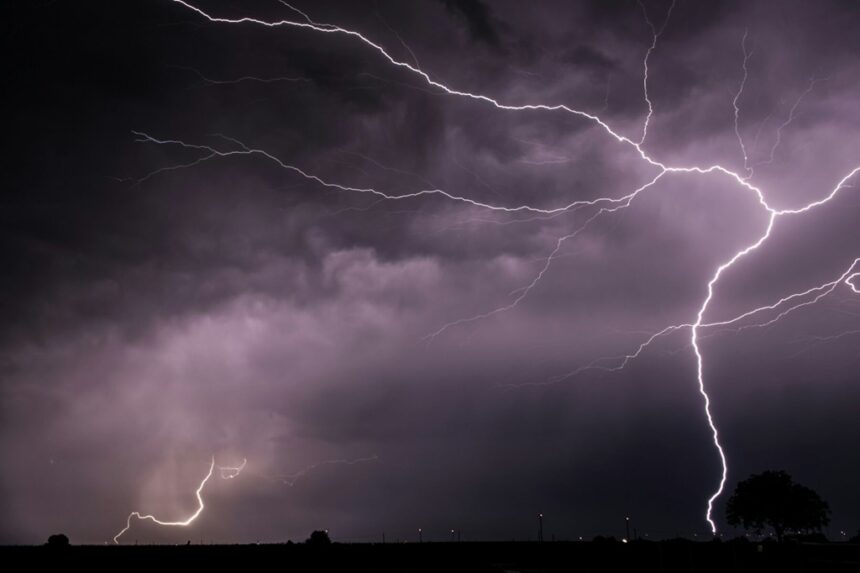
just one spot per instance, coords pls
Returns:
(496, 557)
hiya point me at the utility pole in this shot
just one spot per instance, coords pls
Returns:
(540, 527)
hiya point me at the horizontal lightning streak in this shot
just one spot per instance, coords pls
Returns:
(212, 153)
(291, 479)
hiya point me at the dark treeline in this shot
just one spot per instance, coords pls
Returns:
(645, 556)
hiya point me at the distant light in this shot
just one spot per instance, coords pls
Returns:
(624, 540)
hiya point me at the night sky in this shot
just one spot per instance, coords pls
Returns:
(175, 283)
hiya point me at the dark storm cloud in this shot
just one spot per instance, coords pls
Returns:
(236, 308)
(478, 18)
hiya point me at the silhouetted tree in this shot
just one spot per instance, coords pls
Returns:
(772, 499)
(319, 537)
(58, 540)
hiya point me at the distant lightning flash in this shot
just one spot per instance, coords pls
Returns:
(226, 473)
(291, 479)
(605, 204)
(792, 113)
(241, 79)
(211, 153)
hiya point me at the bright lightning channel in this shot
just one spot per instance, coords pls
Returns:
(226, 473)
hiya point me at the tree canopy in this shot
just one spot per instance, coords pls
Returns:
(319, 537)
(772, 499)
(58, 540)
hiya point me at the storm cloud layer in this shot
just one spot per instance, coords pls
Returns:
(158, 309)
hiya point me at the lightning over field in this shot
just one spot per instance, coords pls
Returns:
(598, 260)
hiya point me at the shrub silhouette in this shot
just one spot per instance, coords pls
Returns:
(58, 540)
(319, 537)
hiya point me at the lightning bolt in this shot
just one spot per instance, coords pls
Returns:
(606, 204)
(231, 472)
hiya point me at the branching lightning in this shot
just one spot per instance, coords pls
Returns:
(226, 473)
(736, 105)
(604, 205)
(791, 115)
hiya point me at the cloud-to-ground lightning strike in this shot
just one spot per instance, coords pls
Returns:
(613, 204)
(226, 473)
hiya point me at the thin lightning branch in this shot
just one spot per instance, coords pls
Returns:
(655, 35)
(819, 339)
(736, 105)
(820, 292)
(773, 213)
(791, 115)
(761, 125)
(332, 29)
(399, 39)
(302, 14)
(291, 479)
(823, 291)
(524, 291)
(815, 341)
